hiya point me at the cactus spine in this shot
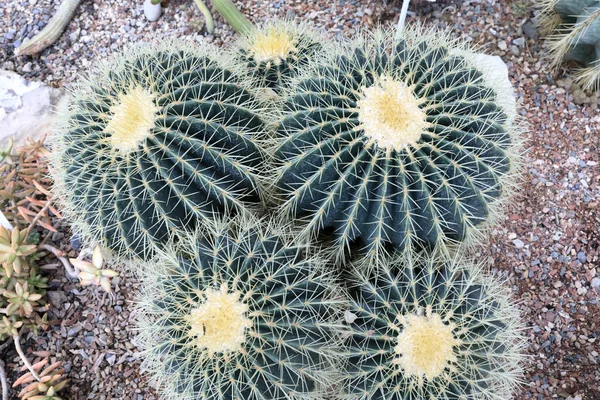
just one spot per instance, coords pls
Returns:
(573, 29)
(161, 138)
(274, 53)
(430, 329)
(399, 145)
(240, 313)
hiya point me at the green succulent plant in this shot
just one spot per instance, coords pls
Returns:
(13, 250)
(240, 313)
(159, 138)
(403, 144)
(573, 29)
(425, 328)
(278, 51)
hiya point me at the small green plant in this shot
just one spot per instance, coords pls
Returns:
(573, 31)
(93, 273)
(276, 52)
(401, 144)
(22, 289)
(424, 328)
(240, 313)
(157, 139)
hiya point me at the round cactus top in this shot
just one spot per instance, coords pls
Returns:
(428, 328)
(272, 44)
(243, 310)
(157, 139)
(390, 115)
(400, 144)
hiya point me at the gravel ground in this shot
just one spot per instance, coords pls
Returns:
(547, 246)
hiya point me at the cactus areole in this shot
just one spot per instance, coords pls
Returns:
(400, 143)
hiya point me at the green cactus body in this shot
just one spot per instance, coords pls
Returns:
(428, 329)
(155, 140)
(410, 148)
(573, 27)
(242, 314)
(276, 52)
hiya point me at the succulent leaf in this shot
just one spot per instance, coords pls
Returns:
(240, 313)
(405, 145)
(159, 138)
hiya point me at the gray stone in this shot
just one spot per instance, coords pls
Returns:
(27, 109)
(595, 283)
(529, 30)
(57, 298)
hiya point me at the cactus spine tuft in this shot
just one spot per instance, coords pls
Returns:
(426, 328)
(402, 144)
(573, 30)
(240, 313)
(276, 52)
(160, 138)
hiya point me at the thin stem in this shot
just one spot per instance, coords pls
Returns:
(38, 216)
(3, 381)
(62, 259)
(402, 18)
(233, 16)
(25, 360)
(210, 23)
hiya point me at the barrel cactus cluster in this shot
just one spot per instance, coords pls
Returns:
(310, 245)
(573, 30)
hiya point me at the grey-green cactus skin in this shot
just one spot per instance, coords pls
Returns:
(198, 162)
(489, 351)
(291, 346)
(573, 27)
(438, 191)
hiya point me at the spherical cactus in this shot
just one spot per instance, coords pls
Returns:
(242, 314)
(276, 52)
(157, 139)
(428, 329)
(573, 28)
(406, 145)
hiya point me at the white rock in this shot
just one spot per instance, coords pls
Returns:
(152, 11)
(27, 109)
(349, 316)
(595, 283)
(519, 243)
(495, 74)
